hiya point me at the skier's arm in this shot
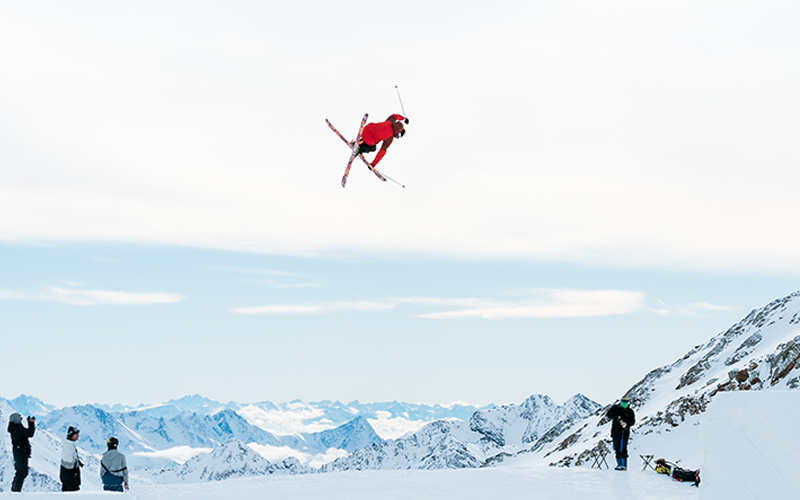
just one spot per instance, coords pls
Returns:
(384, 146)
(125, 471)
(379, 156)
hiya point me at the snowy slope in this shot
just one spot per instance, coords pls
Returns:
(761, 352)
(540, 483)
(511, 426)
(751, 446)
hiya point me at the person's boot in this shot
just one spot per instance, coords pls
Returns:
(625, 463)
(619, 464)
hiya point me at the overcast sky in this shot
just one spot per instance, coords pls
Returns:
(591, 190)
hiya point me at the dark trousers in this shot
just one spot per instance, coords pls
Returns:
(20, 467)
(70, 479)
(112, 482)
(620, 445)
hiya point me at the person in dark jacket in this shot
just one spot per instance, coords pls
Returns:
(622, 418)
(21, 447)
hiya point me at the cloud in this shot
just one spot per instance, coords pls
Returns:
(78, 297)
(267, 277)
(693, 309)
(388, 427)
(550, 304)
(276, 453)
(302, 309)
(296, 418)
(180, 454)
(546, 303)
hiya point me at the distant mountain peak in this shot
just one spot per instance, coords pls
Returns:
(29, 405)
(231, 459)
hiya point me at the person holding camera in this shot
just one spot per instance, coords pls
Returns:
(21, 447)
(70, 463)
(622, 419)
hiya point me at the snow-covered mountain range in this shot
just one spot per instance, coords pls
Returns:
(761, 352)
(298, 416)
(456, 444)
(147, 439)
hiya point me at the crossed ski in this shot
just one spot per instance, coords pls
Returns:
(354, 148)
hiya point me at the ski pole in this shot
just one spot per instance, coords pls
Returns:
(401, 100)
(401, 185)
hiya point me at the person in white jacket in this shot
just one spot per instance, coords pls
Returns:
(70, 463)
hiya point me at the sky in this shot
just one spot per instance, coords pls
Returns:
(591, 190)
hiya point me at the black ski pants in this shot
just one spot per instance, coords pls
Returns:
(20, 467)
(70, 479)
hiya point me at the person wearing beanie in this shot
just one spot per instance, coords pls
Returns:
(114, 468)
(70, 463)
(21, 447)
(622, 418)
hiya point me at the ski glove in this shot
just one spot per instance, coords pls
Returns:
(378, 157)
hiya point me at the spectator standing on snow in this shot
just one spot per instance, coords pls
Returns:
(21, 447)
(622, 418)
(114, 468)
(70, 463)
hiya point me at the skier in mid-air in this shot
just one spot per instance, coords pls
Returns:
(385, 133)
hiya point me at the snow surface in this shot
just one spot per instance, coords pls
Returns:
(541, 483)
(752, 446)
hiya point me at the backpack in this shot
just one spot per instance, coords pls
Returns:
(678, 473)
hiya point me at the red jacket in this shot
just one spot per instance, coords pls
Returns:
(376, 132)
